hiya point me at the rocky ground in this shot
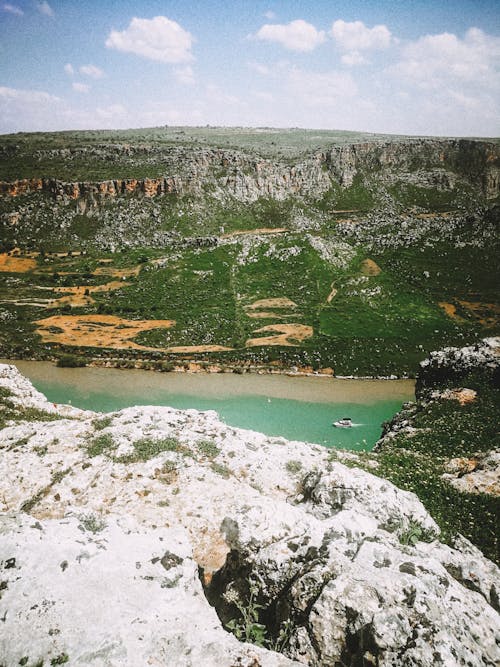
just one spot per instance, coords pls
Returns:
(157, 536)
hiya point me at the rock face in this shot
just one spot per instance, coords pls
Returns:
(455, 362)
(138, 537)
(246, 178)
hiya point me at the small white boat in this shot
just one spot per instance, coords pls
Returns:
(345, 422)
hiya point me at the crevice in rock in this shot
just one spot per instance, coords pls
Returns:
(244, 596)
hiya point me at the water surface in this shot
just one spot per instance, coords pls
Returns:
(298, 408)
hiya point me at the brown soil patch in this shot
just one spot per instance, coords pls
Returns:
(97, 330)
(264, 315)
(10, 264)
(370, 268)
(77, 297)
(117, 273)
(197, 348)
(278, 302)
(450, 310)
(260, 230)
(488, 314)
(286, 334)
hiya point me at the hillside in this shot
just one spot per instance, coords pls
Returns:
(308, 249)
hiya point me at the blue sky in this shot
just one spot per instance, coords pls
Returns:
(421, 67)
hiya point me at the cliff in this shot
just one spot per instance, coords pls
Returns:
(220, 172)
(159, 536)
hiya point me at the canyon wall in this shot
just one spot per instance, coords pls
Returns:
(220, 172)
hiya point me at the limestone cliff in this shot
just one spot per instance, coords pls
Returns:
(220, 172)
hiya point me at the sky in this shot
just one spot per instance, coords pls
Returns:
(428, 67)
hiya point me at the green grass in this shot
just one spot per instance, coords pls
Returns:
(445, 430)
(354, 197)
(147, 448)
(430, 199)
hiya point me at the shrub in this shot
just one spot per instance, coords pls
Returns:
(71, 361)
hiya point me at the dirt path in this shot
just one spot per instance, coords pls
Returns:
(332, 294)
(260, 230)
(285, 334)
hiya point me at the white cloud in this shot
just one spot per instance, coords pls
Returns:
(295, 36)
(185, 75)
(27, 96)
(325, 89)
(69, 69)
(270, 15)
(45, 8)
(354, 37)
(12, 9)
(92, 71)
(353, 58)
(157, 39)
(436, 60)
(81, 87)
(27, 110)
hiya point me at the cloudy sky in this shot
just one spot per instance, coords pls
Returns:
(411, 67)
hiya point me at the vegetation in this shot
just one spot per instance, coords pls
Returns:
(416, 461)
(92, 523)
(71, 361)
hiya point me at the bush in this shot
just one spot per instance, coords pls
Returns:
(71, 361)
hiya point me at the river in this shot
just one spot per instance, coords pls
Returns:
(298, 408)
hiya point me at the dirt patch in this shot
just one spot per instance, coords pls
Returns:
(97, 330)
(370, 268)
(81, 295)
(488, 314)
(14, 264)
(117, 273)
(261, 230)
(450, 310)
(286, 334)
(278, 302)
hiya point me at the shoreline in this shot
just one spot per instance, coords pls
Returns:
(207, 368)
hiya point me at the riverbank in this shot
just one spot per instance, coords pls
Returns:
(297, 407)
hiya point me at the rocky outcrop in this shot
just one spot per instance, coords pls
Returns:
(455, 363)
(140, 537)
(223, 173)
(477, 474)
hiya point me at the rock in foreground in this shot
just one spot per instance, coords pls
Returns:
(137, 537)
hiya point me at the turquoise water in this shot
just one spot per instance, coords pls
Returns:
(296, 408)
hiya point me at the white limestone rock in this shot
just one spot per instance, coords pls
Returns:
(320, 542)
(121, 596)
